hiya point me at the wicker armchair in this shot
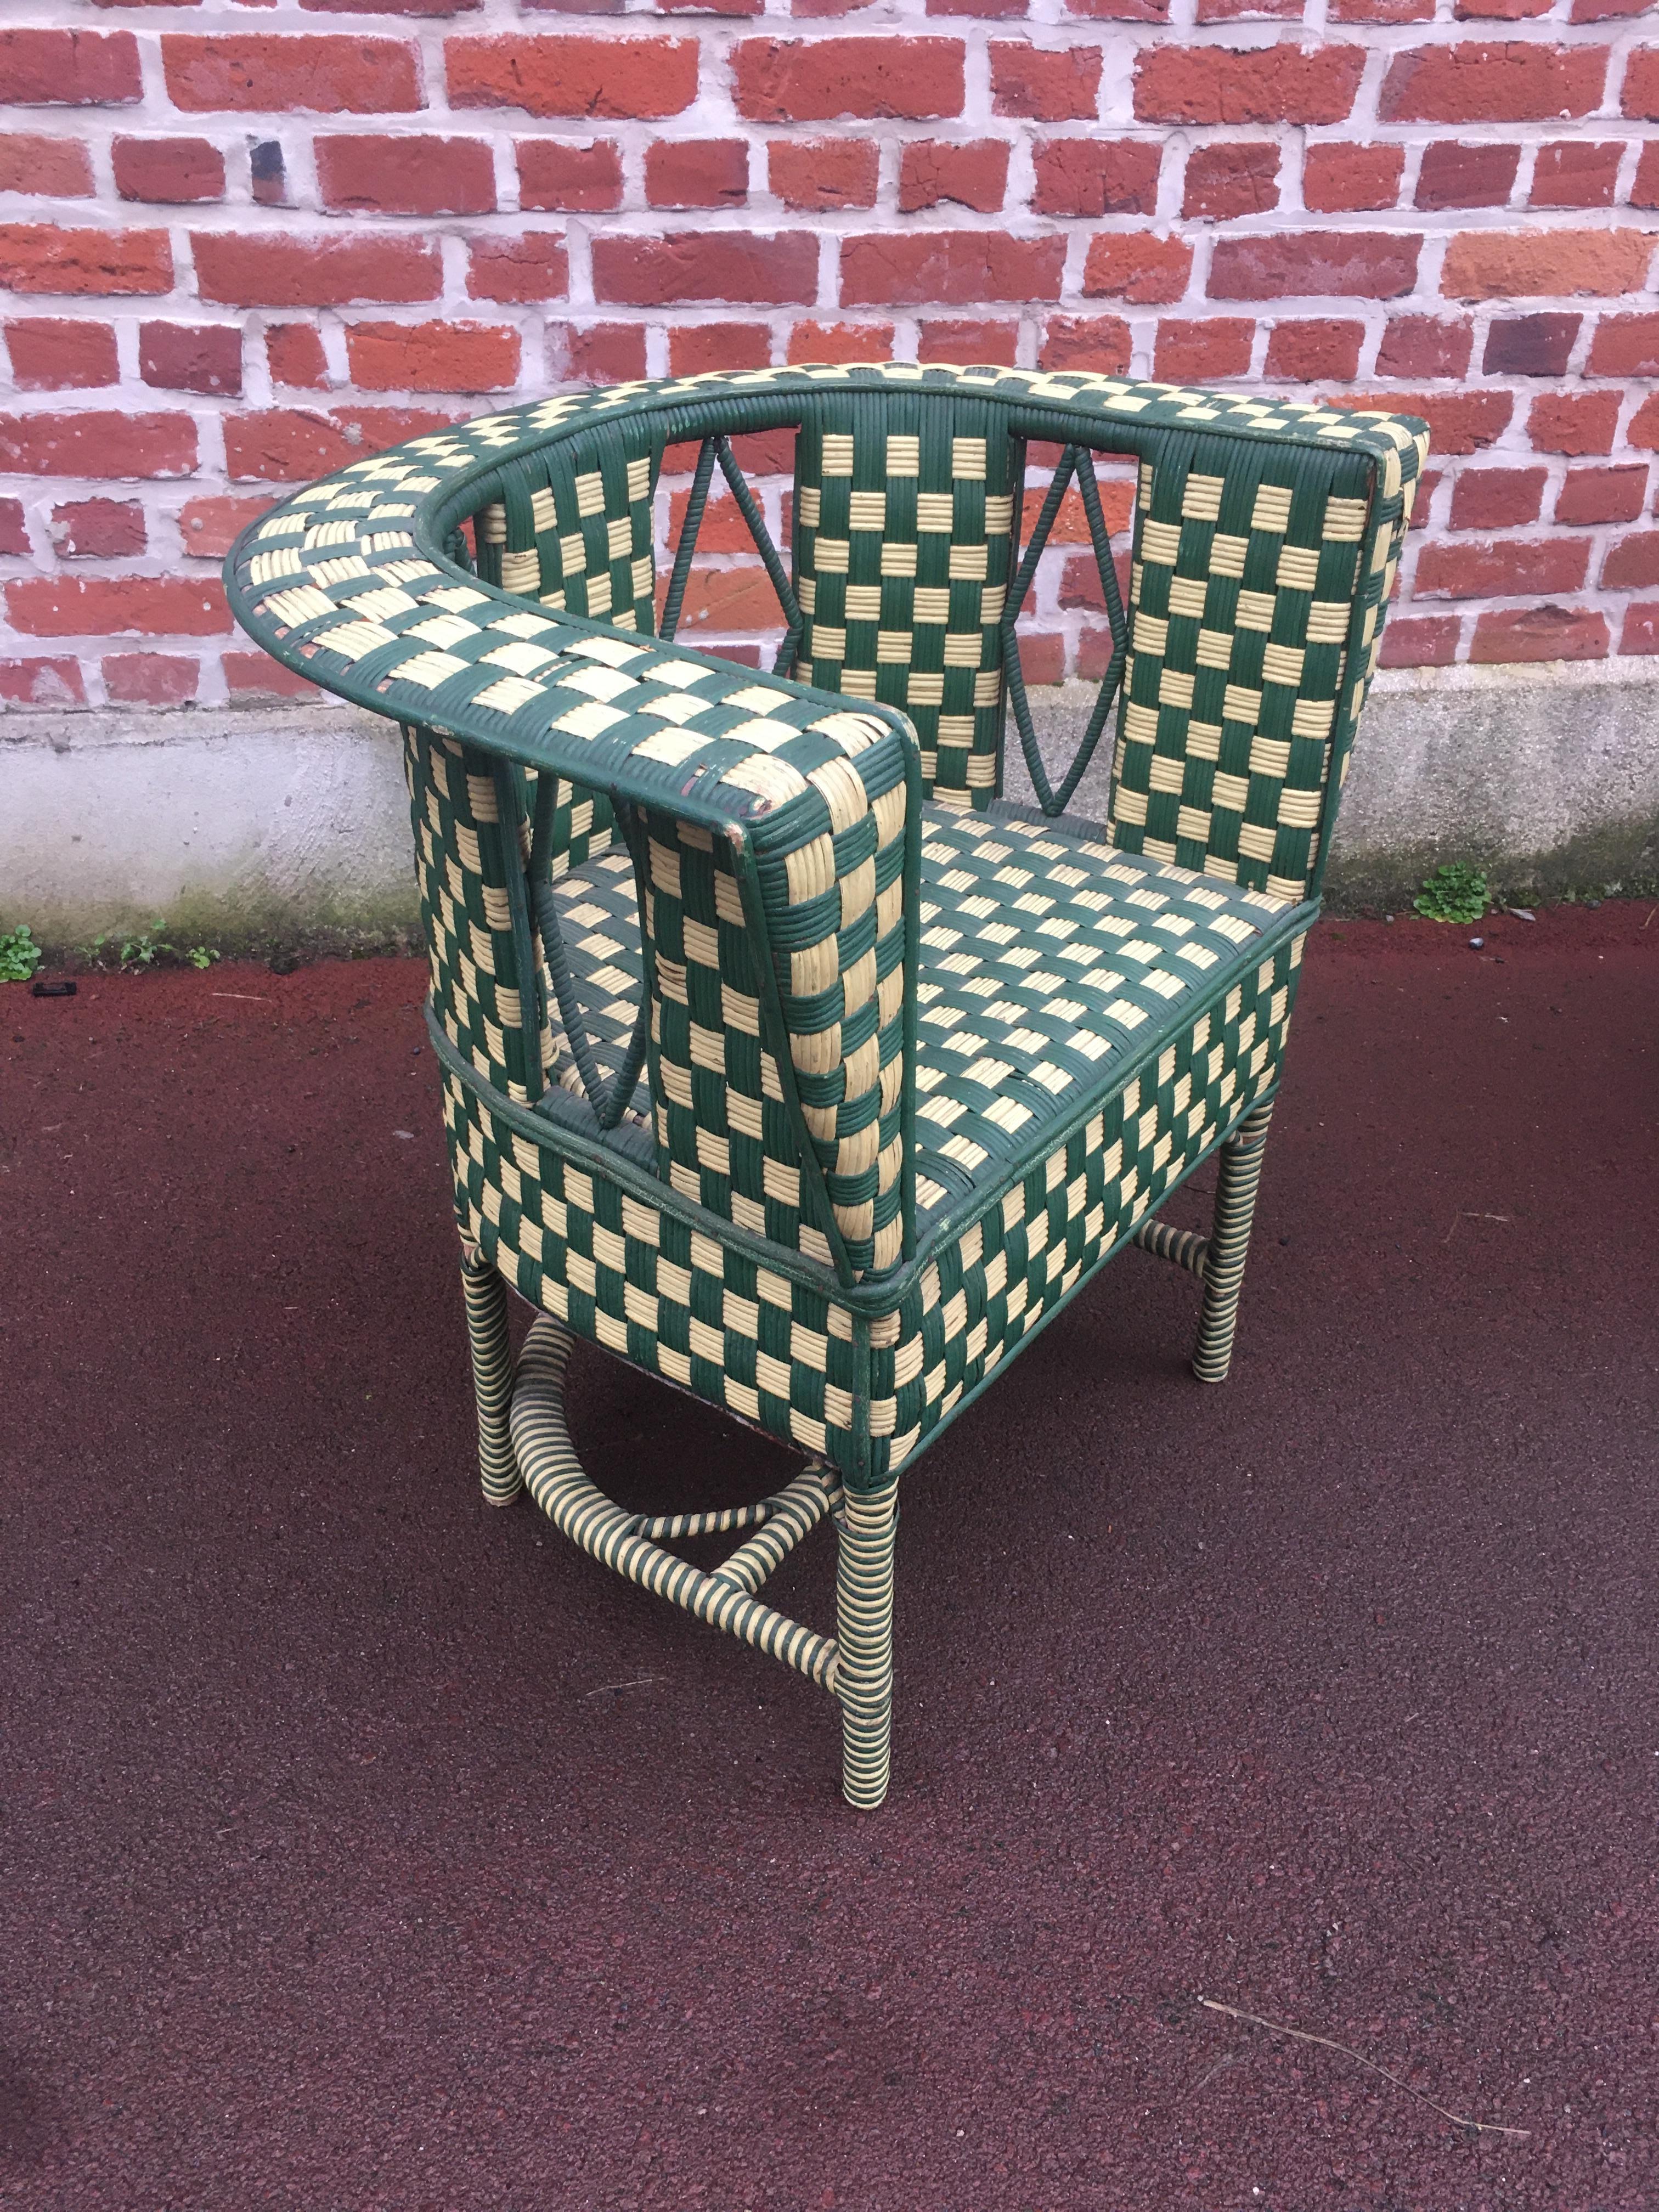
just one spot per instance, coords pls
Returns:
(779, 1056)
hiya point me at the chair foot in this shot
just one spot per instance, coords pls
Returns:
(492, 1376)
(864, 1643)
(1229, 1244)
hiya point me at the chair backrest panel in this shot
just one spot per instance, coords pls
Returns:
(904, 505)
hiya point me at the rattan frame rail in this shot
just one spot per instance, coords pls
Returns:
(780, 1056)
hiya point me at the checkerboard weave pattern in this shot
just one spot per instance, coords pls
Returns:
(903, 511)
(912, 1071)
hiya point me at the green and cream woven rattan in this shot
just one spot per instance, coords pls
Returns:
(779, 1056)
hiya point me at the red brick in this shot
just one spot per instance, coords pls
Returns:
(1095, 176)
(1051, 85)
(98, 442)
(1279, 83)
(1422, 345)
(150, 679)
(13, 531)
(695, 347)
(1626, 345)
(107, 606)
(1338, 179)
(1095, 645)
(1381, 11)
(723, 529)
(1223, 180)
(1238, 11)
(1071, 523)
(841, 342)
(725, 265)
(1427, 486)
(41, 258)
(385, 7)
(1121, 11)
(190, 357)
(371, 430)
(1615, 494)
(54, 168)
(973, 175)
(283, 445)
(531, 265)
(603, 353)
(250, 677)
(1507, 569)
(1575, 422)
(42, 683)
(432, 356)
(1315, 351)
(583, 179)
(295, 354)
(1454, 175)
(1632, 562)
(1097, 342)
(697, 173)
(1197, 352)
(1640, 97)
(254, 70)
(828, 173)
(271, 271)
(68, 69)
(1644, 192)
(1530, 346)
(1042, 658)
(1365, 264)
(952, 267)
(1495, 264)
(592, 78)
(721, 600)
(1548, 633)
(1643, 431)
(1134, 265)
(177, 172)
(967, 343)
(1430, 643)
(267, 174)
(1473, 83)
(810, 80)
(209, 527)
(66, 356)
(1497, 499)
(395, 175)
(1641, 630)
(1574, 172)
(1459, 422)
(1080, 586)
(98, 529)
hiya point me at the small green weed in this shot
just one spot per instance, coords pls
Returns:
(1454, 893)
(145, 949)
(20, 956)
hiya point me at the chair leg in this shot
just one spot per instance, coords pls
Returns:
(1229, 1244)
(863, 1666)
(492, 1376)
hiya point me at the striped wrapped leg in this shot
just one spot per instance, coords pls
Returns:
(492, 1375)
(864, 1643)
(1229, 1243)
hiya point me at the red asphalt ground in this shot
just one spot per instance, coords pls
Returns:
(365, 1848)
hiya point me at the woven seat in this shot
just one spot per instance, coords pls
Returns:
(781, 1058)
(1054, 965)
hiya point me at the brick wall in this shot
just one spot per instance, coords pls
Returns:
(242, 243)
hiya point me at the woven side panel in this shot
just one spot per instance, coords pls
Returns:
(833, 898)
(976, 1303)
(461, 861)
(571, 527)
(903, 511)
(1238, 699)
(644, 1285)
